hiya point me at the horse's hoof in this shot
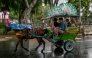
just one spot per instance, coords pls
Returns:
(26, 40)
(41, 51)
(27, 53)
(35, 50)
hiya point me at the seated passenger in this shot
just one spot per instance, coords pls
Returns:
(73, 22)
(56, 26)
(68, 24)
(59, 28)
(62, 25)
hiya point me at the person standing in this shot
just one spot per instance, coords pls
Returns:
(7, 22)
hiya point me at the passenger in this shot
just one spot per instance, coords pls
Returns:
(56, 27)
(73, 22)
(68, 24)
(62, 25)
(56, 24)
(59, 28)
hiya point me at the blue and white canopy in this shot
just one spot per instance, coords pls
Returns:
(63, 9)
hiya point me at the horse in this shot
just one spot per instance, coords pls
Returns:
(25, 34)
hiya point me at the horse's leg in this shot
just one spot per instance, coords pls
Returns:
(39, 41)
(23, 46)
(19, 40)
(16, 47)
(43, 45)
(5, 30)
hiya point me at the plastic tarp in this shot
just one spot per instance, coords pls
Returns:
(20, 26)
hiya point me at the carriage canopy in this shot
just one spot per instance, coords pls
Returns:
(64, 9)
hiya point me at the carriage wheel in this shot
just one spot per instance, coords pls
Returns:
(58, 51)
(69, 46)
(59, 43)
(68, 55)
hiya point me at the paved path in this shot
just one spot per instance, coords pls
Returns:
(83, 49)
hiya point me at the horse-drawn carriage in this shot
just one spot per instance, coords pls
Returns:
(66, 40)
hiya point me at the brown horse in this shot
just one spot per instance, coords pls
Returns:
(25, 34)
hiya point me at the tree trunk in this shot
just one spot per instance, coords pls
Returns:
(51, 2)
(56, 2)
(27, 11)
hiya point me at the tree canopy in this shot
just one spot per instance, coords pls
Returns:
(20, 7)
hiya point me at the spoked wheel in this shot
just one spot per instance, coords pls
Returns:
(69, 55)
(69, 46)
(58, 51)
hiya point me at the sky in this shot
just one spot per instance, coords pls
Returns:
(62, 1)
(90, 7)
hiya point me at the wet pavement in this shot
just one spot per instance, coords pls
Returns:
(82, 49)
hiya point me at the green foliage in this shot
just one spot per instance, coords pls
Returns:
(1, 30)
(11, 32)
(2, 25)
(14, 15)
(17, 7)
(85, 4)
(47, 2)
(42, 11)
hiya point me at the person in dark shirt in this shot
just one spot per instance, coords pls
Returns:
(62, 24)
(68, 24)
(56, 24)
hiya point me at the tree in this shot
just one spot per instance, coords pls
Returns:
(85, 4)
(25, 8)
(28, 9)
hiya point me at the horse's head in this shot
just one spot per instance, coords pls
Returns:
(48, 32)
(22, 34)
(40, 32)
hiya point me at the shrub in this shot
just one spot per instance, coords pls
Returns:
(2, 25)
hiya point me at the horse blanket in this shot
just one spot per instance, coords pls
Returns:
(19, 26)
